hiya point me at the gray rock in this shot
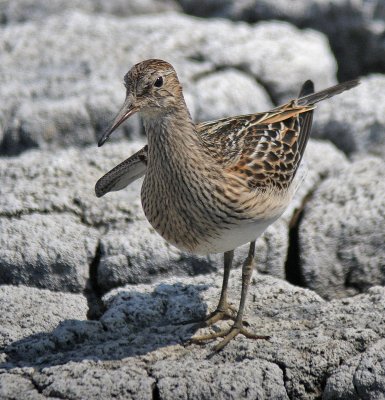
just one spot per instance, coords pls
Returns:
(59, 182)
(340, 385)
(174, 301)
(362, 377)
(246, 379)
(322, 160)
(253, 54)
(26, 311)
(47, 251)
(50, 218)
(90, 380)
(26, 10)
(69, 90)
(369, 377)
(139, 345)
(355, 29)
(355, 121)
(343, 226)
(14, 386)
(51, 121)
(319, 162)
(229, 92)
(252, 10)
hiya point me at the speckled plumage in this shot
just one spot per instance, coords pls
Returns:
(213, 186)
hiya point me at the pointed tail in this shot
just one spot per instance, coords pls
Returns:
(306, 118)
(313, 98)
(306, 89)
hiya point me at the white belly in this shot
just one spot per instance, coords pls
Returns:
(248, 231)
(234, 237)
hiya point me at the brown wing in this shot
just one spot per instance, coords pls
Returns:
(262, 149)
(270, 155)
(224, 138)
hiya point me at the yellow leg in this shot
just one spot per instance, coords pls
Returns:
(237, 327)
(223, 310)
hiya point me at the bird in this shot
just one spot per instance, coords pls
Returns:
(211, 187)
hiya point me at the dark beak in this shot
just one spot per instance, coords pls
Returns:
(125, 112)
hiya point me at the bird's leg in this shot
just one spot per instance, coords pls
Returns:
(222, 310)
(237, 328)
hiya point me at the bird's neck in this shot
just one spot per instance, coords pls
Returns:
(176, 182)
(172, 139)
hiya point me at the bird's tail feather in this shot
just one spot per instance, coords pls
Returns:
(313, 98)
(306, 89)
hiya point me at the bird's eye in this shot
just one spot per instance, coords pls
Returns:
(158, 82)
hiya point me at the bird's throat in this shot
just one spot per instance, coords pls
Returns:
(173, 143)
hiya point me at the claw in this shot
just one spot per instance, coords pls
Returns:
(227, 334)
(233, 332)
(218, 315)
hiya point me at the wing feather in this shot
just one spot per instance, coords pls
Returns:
(263, 149)
(123, 174)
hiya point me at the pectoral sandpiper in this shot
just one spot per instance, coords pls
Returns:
(211, 187)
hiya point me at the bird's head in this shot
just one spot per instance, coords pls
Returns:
(152, 88)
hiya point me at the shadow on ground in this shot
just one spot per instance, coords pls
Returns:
(135, 323)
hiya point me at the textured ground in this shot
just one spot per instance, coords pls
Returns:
(93, 303)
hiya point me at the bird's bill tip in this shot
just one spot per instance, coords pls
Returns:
(125, 112)
(103, 139)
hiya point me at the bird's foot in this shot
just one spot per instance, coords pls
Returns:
(221, 313)
(227, 334)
